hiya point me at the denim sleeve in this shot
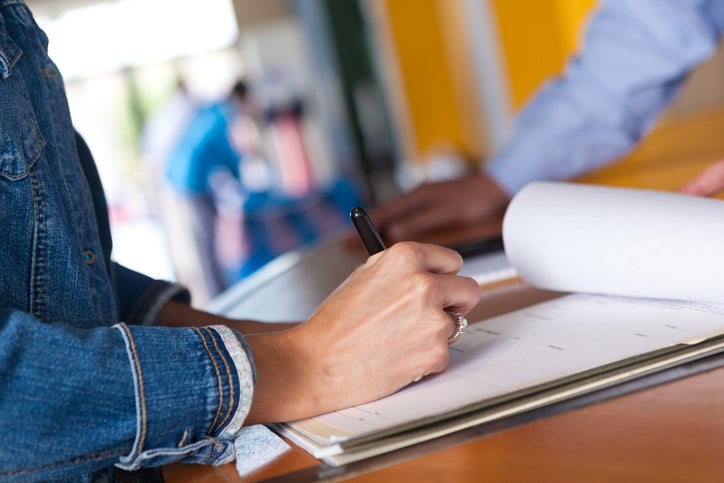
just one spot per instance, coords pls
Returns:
(635, 58)
(141, 298)
(77, 400)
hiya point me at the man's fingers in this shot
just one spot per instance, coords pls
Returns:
(708, 183)
(417, 199)
(419, 222)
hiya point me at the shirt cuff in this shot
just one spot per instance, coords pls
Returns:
(241, 356)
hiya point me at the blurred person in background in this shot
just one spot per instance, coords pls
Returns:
(205, 149)
(161, 132)
(159, 136)
(277, 203)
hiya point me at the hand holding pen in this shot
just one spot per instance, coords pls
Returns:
(383, 328)
(373, 243)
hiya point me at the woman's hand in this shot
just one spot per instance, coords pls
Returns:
(383, 328)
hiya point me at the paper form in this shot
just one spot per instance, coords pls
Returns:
(541, 343)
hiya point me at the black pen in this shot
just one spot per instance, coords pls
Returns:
(367, 232)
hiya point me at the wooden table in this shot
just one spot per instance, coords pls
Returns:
(672, 431)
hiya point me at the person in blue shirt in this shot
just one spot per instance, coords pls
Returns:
(635, 58)
(103, 367)
(204, 150)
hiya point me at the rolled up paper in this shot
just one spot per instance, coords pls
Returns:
(586, 238)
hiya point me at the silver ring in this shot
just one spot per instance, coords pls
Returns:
(461, 324)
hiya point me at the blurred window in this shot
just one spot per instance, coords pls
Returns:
(108, 36)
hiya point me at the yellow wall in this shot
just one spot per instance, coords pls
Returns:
(425, 77)
(430, 46)
(537, 37)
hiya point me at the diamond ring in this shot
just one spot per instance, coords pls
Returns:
(460, 324)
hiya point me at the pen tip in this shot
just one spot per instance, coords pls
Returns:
(357, 212)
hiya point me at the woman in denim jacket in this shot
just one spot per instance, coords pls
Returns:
(89, 378)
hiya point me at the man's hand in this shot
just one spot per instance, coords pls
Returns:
(708, 183)
(436, 206)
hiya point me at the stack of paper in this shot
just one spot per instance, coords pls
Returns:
(519, 361)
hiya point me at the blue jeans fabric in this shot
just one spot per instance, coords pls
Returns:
(85, 381)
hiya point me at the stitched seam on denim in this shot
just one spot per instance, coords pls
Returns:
(141, 411)
(229, 377)
(58, 464)
(212, 453)
(40, 233)
(218, 378)
(184, 437)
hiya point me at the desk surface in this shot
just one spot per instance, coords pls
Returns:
(666, 432)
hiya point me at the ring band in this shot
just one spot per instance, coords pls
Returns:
(461, 324)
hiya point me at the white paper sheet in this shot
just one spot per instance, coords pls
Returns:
(538, 344)
(584, 238)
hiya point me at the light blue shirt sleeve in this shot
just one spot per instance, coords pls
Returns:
(635, 57)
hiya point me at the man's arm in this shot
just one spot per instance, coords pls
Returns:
(635, 58)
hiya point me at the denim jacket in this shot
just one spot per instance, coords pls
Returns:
(86, 380)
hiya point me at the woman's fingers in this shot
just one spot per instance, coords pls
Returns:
(422, 256)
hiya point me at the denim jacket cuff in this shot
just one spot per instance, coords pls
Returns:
(193, 389)
(241, 355)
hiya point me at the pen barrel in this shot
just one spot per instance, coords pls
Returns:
(369, 235)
